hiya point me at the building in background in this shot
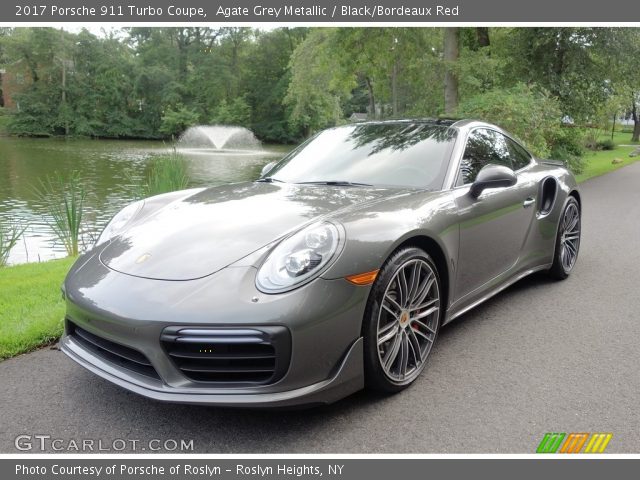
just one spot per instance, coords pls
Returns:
(14, 78)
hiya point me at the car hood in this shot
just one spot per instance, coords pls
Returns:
(202, 233)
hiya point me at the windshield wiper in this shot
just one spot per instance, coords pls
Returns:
(340, 183)
(269, 180)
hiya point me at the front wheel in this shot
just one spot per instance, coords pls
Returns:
(402, 320)
(567, 241)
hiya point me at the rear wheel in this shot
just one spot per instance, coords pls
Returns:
(567, 241)
(402, 320)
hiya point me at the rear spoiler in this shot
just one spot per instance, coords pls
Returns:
(557, 163)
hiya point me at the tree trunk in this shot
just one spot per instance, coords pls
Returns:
(636, 120)
(372, 100)
(64, 87)
(613, 127)
(291, 46)
(182, 41)
(482, 35)
(559, 65)
(394, 88)
(64, 97)
(451, 54)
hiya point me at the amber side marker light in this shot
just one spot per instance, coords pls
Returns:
(366, 278)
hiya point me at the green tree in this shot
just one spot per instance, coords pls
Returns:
(336, 68)
(451, 54)
(318, 84)
(267, 80)
(533, 115)
(286, 83)
(391, 65)
(175, 121)
(238, 112)
(37, 54)
(625, 68)
(570, 62)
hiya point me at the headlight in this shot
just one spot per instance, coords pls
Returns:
(300, 257)
(120, 221)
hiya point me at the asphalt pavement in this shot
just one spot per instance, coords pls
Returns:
(543, 356)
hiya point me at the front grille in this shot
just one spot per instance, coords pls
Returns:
(229, 356)
(112, 352)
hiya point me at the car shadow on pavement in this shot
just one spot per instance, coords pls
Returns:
(524, 286)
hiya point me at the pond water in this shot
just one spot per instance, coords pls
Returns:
(106, 168)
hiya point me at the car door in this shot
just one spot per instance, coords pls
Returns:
(494, 226)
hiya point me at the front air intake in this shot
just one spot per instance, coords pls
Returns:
(112, 352)
(229, 356)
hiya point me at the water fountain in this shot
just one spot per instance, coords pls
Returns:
(218, 137)
(222, 153)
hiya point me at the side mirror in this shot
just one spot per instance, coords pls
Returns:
(267, 168)
(492, 176)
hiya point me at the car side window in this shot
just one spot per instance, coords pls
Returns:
(520, 158)
(483, 147)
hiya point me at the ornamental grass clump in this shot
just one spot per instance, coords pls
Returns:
(64, 201)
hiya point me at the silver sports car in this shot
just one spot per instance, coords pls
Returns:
(333, 271)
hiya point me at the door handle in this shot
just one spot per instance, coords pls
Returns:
(528, 202)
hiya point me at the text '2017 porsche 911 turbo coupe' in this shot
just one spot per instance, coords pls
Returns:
(333, 271)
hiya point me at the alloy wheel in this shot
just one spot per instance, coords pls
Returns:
(570, 239)
(407, 321)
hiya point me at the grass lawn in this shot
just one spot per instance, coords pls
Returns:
(31, 306)
(619, 138)
(599, 163)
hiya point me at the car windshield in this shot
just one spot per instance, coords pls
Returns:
(381, 154)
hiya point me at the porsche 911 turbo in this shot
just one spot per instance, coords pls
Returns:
(333, 271)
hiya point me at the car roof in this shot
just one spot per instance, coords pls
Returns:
(447, 122)
(460, 123)
(463, 125)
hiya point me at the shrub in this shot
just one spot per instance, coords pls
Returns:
(606, 145)
(238, 112)
(533, 115)
(591, 136)
(567, 144)
(175, 121)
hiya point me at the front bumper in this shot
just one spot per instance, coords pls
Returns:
(323, 317)
(347, 380)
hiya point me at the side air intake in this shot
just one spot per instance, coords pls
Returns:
(547, 196)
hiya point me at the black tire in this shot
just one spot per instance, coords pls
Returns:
(376, 378)
(560, 269)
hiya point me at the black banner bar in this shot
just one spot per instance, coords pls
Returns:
(307, 468)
